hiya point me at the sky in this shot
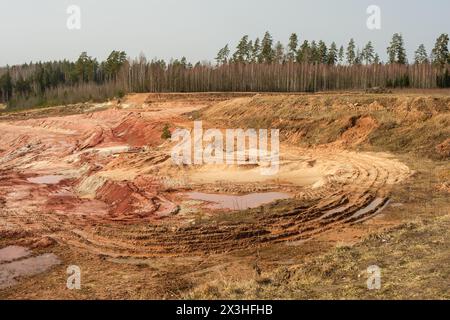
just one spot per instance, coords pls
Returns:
(37, 30)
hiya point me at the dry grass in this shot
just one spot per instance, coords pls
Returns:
(407, 123)
(414, 259)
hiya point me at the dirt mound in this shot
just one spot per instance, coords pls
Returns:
(92, 138)
(357, 130)
(128, 200)
(137, 132)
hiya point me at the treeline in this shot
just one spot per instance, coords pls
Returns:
(255, 65)
(57, 82)
(317, 52)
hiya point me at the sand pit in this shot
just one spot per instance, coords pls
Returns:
(104, 183)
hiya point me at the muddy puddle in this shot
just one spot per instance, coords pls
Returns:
(234, 202)
(49, 179)
(12, 253)
(15, 263)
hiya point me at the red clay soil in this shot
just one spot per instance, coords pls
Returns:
(114, 197)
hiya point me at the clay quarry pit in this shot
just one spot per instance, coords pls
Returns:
(94, 185)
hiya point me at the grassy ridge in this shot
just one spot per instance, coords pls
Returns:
(397, 123)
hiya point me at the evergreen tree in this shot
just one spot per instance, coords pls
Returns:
(304, 53)
(351, 55)
(314, 53)
(249, 52)
(368, 53)
(323, 52)
(256, 52)
(292, 47)
(341, 55)
(222, 55)
(359, 57)
(23, 86)
(401, 52)
(242, 52)
(114, 62)
(279, 53)
(376, 59)
(183, 62)
(396, 50)
(421, 56)
(6, 86)
(267, 53)
(440, 51)
(391, 54)
(332, 54)
(86, 67)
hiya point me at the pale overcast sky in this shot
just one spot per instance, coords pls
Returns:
(36, 30)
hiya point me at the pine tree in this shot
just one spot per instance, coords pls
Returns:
(401, 52)
(256, 52)
(249, 52)
(86, 67)
(222, 55)
(332, 54)
(376, 59)
(241, 53)
(396, 50)
(304, 53)
(279, 53)
(323, 52)
(6, 86)
(391, 53)
(183, 62)
(341, 55)
(368, 53)
(22, 86)
(359, 57)
(267, 52)
(440, 51)
(314, 52)
(351, 55)
(421, 56)
(114, 62)
(292, 47)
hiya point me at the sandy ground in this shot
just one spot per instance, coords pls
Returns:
(101, 186)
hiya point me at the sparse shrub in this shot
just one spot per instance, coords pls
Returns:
(166, 133)
(389, 125)
(120, 94)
